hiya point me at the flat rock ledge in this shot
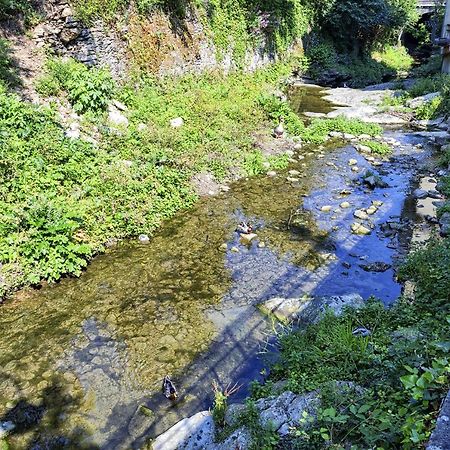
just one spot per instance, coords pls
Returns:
(440, 439)
(281, 413)
(309, 309)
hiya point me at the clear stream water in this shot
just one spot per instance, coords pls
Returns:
(80, 358)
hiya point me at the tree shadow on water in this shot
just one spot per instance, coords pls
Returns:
(39, 424)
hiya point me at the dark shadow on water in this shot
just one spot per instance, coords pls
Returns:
(43, 421)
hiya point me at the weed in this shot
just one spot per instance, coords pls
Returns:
(379, 148)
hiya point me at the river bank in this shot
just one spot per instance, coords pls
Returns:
(92, 351)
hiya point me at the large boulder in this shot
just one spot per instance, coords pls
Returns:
(196, 432)
(419, 101)
(309, 309)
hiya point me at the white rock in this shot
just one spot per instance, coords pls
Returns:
(294, 173)
(345, 205)
(308, 309)
(289, 153)
(355, 169)
(266, 164)
(364, 149)
(72, 134)
(371, 210)
(177, 122)
(298, 146)
(271, 173)
(418, 101)
(357, 228)
(144, 239)
(326, 208)
(116, 117)
(360, 214)
(195, 432)
(352, 162)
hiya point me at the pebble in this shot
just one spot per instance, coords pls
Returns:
(360, 214)
(326, 208)
(294, 173)
(292, 180)
(144, 239)
(364, 149)
(377, 203)
(261, 244)
(271, 173)
(223, 247)
(357, 228)
(355, 169)
(234, 249)
(345, 205)
(371, 210)
(248, 238)
(352, 162)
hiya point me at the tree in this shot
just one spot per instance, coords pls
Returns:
(357, 24)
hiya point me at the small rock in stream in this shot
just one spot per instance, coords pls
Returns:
(345, 205)
(420, 194)
(375, 267)
(357, 228)
(360, 214)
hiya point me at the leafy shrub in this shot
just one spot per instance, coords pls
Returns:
(429, 110)
(394, 57)
(87, 89)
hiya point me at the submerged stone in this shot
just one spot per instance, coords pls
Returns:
(308, 309)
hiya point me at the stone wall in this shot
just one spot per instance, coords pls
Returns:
(66, 36)
(157, 44)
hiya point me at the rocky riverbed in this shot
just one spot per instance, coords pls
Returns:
(83, 361)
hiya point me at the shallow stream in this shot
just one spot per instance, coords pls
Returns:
(81, 362)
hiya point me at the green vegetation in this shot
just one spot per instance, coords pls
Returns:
(379, 148)
(429, 109)
(87, 89)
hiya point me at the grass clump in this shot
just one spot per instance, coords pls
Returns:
(379, 148)
(320, 128)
